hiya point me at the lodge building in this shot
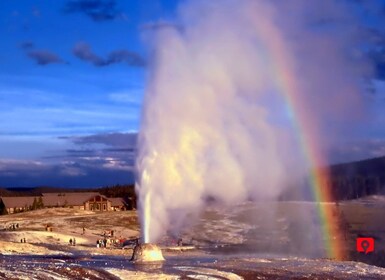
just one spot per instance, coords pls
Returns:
(92, 201)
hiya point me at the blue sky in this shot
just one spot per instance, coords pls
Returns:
(71, 69)
(56, 77)
(72, 79)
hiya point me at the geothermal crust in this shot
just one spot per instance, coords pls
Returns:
(147, 252)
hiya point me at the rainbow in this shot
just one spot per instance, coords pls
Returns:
(283, 68)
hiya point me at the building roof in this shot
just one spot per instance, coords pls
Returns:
(53, 199)
(18, 201)
(117, 201)
(68, 199)
(69, 193)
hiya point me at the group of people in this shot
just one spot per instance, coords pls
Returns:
(12, 226)
(108, 233)
(101, 243)
(72, 241)
(107, 239)
(48, 227)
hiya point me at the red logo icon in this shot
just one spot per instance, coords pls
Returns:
(365, 244)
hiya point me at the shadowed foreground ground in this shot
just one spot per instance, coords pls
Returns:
(183, 266)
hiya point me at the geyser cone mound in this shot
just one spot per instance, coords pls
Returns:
(147, 252)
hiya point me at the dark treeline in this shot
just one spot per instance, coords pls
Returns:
(18, 192)
(31, 191)
(346, 181)
(358, 179)
(117, 191)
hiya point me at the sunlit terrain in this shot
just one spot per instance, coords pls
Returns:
(242, 242)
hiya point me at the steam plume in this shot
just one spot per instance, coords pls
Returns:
(215, 120)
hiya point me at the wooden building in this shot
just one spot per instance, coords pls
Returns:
(119, 204)
(17, 204)
(98, 203)
(91, 201)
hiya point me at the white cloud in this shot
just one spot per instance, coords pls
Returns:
(129, 96)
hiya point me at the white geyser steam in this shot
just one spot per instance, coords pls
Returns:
(216, 122)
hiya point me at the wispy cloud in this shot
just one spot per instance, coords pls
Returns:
(41, 57)
(161, 24)
(109, 139)
(110, 150)
(11, 167)
(29, 112)
(26, 45)
(91, 160)
(84, 52)
(65, 174)
(44, 57)
(97, 10)
(358, 150)
(133, 97)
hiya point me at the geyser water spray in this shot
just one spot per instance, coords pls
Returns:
(216, 122)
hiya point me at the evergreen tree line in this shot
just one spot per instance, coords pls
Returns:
(356, 186)
(118, 191)
(37, 204)
(358, 179)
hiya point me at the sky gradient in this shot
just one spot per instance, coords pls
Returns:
(72, 80)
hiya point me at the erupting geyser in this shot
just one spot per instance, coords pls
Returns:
(147, 252)
(242, 96)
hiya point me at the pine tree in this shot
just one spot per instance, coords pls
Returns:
(34, 204)
(40, 204)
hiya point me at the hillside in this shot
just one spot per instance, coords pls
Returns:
(357, 179)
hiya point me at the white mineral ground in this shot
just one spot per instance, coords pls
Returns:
(66, 224)
(238, 226)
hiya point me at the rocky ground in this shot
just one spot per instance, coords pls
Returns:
(251, 241)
